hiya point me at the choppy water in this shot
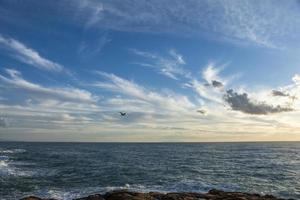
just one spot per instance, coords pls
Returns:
(69, 170)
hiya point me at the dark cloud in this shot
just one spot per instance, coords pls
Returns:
(216, 84)
(241, 102)
(279, 93)
(201, 111)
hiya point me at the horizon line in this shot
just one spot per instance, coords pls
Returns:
(157, 142)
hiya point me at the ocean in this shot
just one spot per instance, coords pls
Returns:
(70, 170)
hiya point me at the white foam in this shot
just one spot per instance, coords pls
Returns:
(132, 187)
(8, 167)
(10, 151)
(55, 194)
(5, 169)
(6, 151)
(83, 192)
(3, 163)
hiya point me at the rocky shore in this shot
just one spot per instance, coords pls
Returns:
(211, 195)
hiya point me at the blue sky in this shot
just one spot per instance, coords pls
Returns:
(182, 70)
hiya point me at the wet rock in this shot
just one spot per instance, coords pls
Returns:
(127, 195)
(182, 196)
(92, 197)
(211, 195)
(35, 198)
(31, 198)
(219, 194)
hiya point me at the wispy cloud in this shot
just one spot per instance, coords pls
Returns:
(164, 101)
(244, 21)
(211, 85)
(16, 81)
(27, 55)
(211, 73)
(35, 116)
(93, 47)
(216, 109)
(171, 66)
(159, 111)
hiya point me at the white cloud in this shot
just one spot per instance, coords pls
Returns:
(170, 66)
(94, 9)
(29, 56)
(178, 58)
(211, 73)
(211, 86)
(36, 116)
(285, 95)
(3, 122)
(207, 93)
(264, 24)
(148, 110)
(90, 47)
(15, 81)
(164, 101)
(296, 79)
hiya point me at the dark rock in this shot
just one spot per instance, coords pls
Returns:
(92, 197)
(211, 195)
(34, 198)
(127, 195)
(31, 198)
(182, 196)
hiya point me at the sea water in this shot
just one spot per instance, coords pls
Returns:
(70, 170)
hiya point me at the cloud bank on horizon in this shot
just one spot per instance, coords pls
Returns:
(183, 71)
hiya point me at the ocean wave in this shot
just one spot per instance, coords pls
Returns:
(11, 151)
(8, 167)
(100, 168)
(5, 169)
(57, 194)
(132, 187)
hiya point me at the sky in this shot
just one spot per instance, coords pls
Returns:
(183, 71)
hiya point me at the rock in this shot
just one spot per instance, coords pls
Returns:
(92, 197)
(34, 198)
(182, 196)
(127, 195)
(31, 198)
(211, 195)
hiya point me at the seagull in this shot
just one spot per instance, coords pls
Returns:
(122, 113)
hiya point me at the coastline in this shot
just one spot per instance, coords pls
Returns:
(212, 194)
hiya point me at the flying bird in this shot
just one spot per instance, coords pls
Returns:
(122, 113)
